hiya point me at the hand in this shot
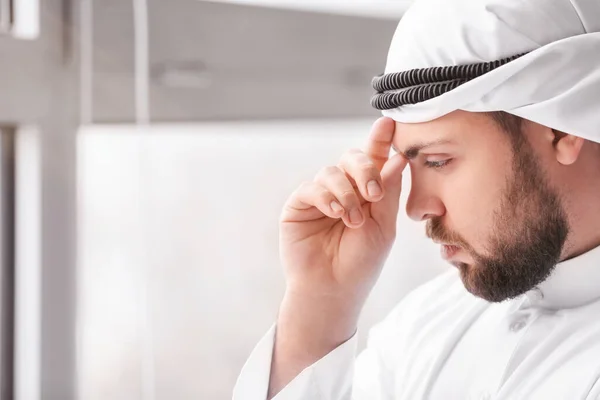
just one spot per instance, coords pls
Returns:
(333, 254)
(337, 230)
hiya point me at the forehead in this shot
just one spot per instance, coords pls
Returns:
(458, 127)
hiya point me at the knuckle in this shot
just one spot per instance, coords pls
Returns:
(283, 214)
(303, 186)
(350, 155)
(367, 167)
(379, 157)
(301, 191)
(359, 162)
(347, 196)
(331, 169)
(327, 171)
(325, 196)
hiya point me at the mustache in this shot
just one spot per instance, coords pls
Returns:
(435, 230)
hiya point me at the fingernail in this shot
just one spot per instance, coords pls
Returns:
(336, 207)
(373, 188)
(355, 216)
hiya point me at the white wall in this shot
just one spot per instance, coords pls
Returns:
(194, 209)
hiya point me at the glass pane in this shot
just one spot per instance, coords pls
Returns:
(197, 215)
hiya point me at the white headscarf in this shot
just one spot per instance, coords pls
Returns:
(557, 84)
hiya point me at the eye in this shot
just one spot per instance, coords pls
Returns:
(437, 164)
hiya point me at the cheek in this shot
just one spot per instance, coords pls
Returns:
(471, 195)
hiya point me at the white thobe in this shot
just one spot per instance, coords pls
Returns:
(443, 343)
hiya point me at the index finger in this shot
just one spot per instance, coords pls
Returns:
(380, 141)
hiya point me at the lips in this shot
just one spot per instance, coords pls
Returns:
(449, 251)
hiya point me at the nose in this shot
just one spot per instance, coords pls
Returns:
(422, 203)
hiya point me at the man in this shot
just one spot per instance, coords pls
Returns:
(505, 166)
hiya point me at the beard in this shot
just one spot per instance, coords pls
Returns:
(527, 235)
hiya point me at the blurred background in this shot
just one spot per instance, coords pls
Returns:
(147, 148)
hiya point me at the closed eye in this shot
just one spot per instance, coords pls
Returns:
(437, 164)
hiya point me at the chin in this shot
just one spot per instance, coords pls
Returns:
(469, 281)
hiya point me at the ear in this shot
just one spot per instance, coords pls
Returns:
(567, 147)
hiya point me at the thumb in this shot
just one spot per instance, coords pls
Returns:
(385, 211)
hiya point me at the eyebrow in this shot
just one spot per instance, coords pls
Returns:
(413, 151)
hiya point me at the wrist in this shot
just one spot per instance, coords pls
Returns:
(314, 324)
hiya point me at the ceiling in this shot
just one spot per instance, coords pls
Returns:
(385, 9)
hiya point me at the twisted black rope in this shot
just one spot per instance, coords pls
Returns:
(418, 85)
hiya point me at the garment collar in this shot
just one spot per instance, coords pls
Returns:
(573, 283)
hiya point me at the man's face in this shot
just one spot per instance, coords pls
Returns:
(485, 196)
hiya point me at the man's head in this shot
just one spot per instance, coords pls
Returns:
(495, 189)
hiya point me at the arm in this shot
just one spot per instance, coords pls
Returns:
(335, 235)
(308, 328)
(337, 375)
